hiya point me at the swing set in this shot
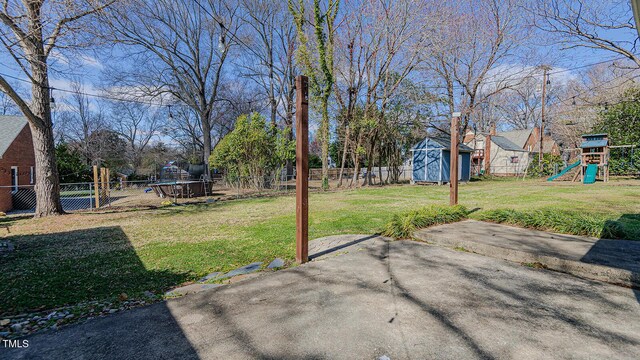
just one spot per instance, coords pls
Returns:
(628, 152)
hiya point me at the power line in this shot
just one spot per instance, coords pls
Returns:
(438, 87)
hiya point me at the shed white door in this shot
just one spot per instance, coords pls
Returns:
(459, 167)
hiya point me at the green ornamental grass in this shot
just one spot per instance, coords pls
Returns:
(565, 221)
(402, 226)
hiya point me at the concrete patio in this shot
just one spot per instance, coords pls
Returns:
(374, 298)
(614, 261)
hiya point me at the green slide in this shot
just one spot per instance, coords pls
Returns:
(564, 171)
(590, 174)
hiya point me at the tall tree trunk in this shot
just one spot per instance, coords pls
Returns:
(206, 137)
(344, 155)
(47, 182)
(324, 138)
(47, 186)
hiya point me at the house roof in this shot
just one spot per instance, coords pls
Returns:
(548, 145)
(10, 128)
(505, 143)
(518, 137)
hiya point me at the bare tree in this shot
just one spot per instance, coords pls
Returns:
(269, 54)
(29, 32)
(80, 119)
(7, 105)
(601, 25)
(137, 123)
(181, 48)
(375, 58)
(578, 105)
(475, 39)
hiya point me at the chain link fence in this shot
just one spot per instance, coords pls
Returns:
(75, 196)
(78, 197)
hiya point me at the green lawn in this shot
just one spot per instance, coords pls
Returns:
(89, 256)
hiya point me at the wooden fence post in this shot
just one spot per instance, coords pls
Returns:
(302, 169)
(453, 163)
(96, 186)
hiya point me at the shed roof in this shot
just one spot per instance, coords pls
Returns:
(10, 128)
(442, 141)
(446, 143)
(594, 143)
(505, 143)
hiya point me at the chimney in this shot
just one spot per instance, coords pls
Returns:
(492, 130)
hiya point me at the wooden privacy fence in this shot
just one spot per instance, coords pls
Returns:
(334, 173)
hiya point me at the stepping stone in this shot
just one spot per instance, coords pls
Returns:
(191, 289)
(6, 246)
(211, 276)
(277, 263)
(243, 270)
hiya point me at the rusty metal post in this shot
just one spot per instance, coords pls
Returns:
(302, 169)
(453, 163)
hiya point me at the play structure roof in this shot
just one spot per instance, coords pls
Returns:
(594, 143)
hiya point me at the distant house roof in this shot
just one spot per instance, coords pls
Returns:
(518, 137)
(10, 128)
(549, 143)
(505, 143)
(594, 143)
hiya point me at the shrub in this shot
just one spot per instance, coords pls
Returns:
(564, 221)
(549, 162)
(402, 226)
(253, 151)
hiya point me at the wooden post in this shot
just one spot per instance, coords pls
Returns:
(103, 187)
(545, 79)
(108, 185)
(302, 169)
(96, 186)
(453, 163)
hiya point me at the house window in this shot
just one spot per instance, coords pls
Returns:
(515, 159)
(31, 178)
(14, 178)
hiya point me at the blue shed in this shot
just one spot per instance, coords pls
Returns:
(431, 159)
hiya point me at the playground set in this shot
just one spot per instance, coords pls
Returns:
(593, 162)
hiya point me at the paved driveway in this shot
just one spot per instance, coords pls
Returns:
(403, 300)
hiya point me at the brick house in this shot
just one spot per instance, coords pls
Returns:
(17, 160)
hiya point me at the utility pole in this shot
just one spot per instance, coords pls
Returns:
(545, 81)
(302, 169)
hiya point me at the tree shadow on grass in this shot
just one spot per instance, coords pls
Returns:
(55, 269)
(47, 271)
